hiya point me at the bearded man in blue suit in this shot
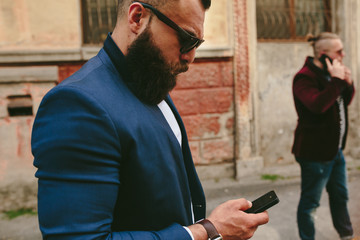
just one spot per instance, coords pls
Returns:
(111, 150)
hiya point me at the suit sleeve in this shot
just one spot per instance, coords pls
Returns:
(315, 99)
(78, 155)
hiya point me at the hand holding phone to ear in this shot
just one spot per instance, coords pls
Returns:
(336, 68)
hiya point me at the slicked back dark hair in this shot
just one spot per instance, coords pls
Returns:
(123, 4)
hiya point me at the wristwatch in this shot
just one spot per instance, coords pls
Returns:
(211, 230)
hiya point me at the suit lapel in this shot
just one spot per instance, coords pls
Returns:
(197, 193)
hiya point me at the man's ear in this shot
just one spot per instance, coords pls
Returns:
(138, 18)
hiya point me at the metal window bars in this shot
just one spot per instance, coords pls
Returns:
(292, 19)
(99, 18)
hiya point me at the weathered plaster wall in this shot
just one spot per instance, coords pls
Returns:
(39, 24)
(277, 63)
(17, 182)
(350, 32)
(218, 22)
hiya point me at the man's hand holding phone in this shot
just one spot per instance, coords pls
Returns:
(339, 70)
(336, 68)
(232, 222)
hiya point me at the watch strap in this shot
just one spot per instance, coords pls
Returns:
(210, 229)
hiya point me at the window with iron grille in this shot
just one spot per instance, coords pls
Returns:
(99, 18)
(292, 19)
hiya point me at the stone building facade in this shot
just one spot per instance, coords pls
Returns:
(235, 99)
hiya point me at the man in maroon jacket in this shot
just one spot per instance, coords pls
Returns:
(322, 90)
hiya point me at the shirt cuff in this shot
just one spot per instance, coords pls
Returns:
(190, 233)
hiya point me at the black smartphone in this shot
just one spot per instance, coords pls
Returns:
(322, 60)
(264, 202)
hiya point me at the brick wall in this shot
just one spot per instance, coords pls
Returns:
(204, 97)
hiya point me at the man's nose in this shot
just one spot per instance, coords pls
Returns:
(189, 57)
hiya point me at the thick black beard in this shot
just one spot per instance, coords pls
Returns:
(152, 78)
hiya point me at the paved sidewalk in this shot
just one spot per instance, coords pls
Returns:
(282, 224)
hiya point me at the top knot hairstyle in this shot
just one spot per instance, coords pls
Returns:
(311, 38)
(206, 3)
(316, 41)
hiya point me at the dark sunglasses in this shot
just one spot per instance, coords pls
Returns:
(187, 41)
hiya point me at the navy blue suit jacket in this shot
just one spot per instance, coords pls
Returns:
(109, 166)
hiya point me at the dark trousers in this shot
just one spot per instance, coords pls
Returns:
(315, 176)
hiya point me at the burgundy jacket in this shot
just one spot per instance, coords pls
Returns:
(318, 129)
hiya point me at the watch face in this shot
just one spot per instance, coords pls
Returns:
(218, 238)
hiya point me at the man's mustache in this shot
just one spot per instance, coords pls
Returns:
(180, 68)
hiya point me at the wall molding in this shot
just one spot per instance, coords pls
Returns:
(85, 53)
(11, 75)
